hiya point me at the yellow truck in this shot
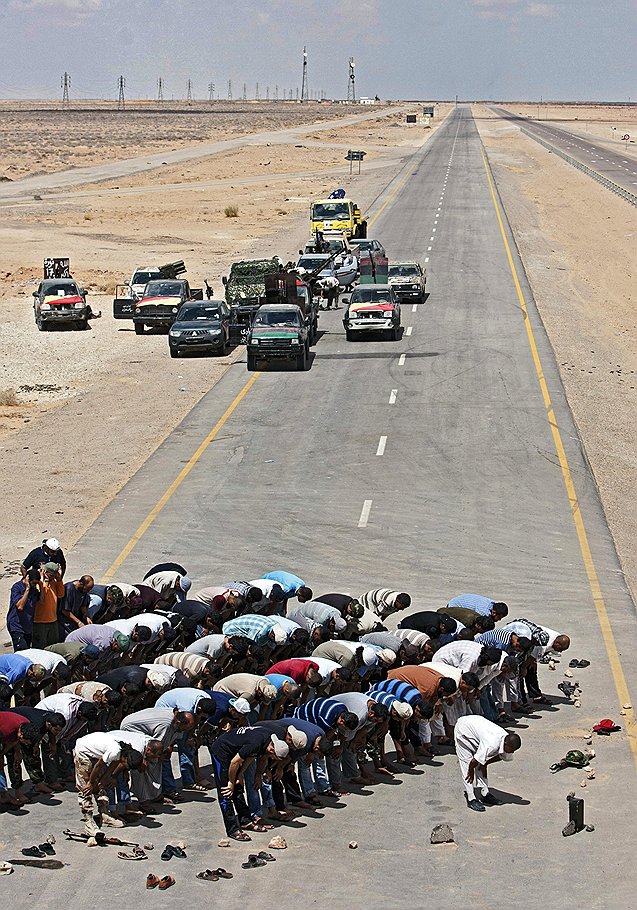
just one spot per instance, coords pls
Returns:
(337, 215)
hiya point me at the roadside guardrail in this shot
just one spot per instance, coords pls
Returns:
(614, 187)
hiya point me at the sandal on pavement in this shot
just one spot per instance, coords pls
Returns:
(47, 848)
(240, 835)
(266, 856)
(136, 854)
(208, 876)
(198, 788)
(167, 853)
(255, 826)
(32, 851)
(179, 852)
(166, 882)
(151, 880)
(222, 873)
(253, 862)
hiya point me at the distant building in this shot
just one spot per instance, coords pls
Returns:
(367, 101)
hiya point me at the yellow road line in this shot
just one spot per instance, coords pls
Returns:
(608, 636)
(185, 471)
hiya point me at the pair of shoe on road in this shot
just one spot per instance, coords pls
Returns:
(479, 804)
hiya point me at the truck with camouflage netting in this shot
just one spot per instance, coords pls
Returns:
(245, 291)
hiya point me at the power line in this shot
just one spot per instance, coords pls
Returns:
(65, 84)
(160, 89)
(121, 85)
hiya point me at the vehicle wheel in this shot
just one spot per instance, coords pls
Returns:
(226, 345)
(252, 362)
(362, 230)
(349, 335)
(139, 328)
(82, 325)
(394, 333)
(301, 360)
(174, 352)
(42, 326)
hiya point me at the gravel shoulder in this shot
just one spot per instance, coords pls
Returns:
(577, 241)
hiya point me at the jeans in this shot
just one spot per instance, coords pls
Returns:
(233, 809)
(488, 705)
(321, 781)
(21, 641)
(186, 767)
(257, 800)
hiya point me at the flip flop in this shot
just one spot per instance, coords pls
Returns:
(177, 851)
(134, 855)
(208, 876)
(6, 868)
(47, 848)
(166, 882)
(266, 856)
(240, 835)
(223, 874)
(260, 829)
(573, 663)
(582, 664)
(253, 862)
(32, 851)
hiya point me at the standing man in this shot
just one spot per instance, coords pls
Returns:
(99, 758)
(480, 743)
(45, 620)
(50, 551)
(25, 595)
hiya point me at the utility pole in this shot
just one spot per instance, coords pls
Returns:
(245, 92)
(351, 81)
(160, 90)
(189, 92)
(229, 89)
(211, 91)
(65, 85)
(121, 85)
(256, 94)
(276, 92)
(304, 92)
(267, 93)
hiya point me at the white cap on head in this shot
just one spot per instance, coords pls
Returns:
(299, 739)
(159, 680)
(281, 748)
(402, 709)
(242, 705)
(369, 657)
(52, 543)
(280, 635)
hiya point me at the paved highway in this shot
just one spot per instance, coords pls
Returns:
(612, 165)
(445, 462)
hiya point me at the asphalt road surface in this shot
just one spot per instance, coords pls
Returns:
(481, 486)
(612, 165)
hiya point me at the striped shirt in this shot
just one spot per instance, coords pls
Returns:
(324, 712)
(462, 654)
(313, 613)
(497, 638)
(381, 601)
(402, 690)
(383, 698)
(475, 602)
(416, 638)
(253, 626)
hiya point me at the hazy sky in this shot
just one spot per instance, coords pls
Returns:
(562, 49)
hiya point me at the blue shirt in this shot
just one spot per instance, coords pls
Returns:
(277, 680)
(14, 667)
(21, 620)
(496, 638)
(184, 699)
(475, 602)
(289, 582)
(324, 712)
(402, 690)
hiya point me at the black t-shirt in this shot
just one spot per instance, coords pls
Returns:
(38, 557)
(147, 600)
(340, 601)
(426, 621)
(36, 716)
(131, 676)
(244, 741)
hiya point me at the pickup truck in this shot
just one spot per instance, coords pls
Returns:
(279, 332)
(59, 301)
(408, 280)
(159, 304)
(245, 291)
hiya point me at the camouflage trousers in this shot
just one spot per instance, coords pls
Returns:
(83, 768)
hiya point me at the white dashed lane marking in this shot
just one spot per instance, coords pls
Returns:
(393, 393)
(401, 360)
(382, 442)
(367, 507)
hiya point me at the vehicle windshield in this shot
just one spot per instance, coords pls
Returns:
(311, 262)
(402, 271)
(163, 289)
(273, 318)
(143, 277)
(371, 295)
(61, 290)
(330, 211)
(188, 313)
(362, 244)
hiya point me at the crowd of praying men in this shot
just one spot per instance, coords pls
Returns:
(294, 697)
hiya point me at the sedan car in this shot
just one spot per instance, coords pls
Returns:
(408, 280)
(201, 327)
(59, 301)
(372, 308)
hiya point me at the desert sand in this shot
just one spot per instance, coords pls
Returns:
(578, 242)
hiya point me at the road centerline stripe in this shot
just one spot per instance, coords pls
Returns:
(401, 360)
(367, 507)
(392, 396)
(177, 482)
(382, 442)
(599, 602)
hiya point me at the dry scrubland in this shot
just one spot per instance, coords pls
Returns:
(578, 242)
(85, 401)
